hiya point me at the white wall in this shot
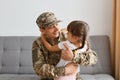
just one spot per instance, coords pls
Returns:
(17, 17)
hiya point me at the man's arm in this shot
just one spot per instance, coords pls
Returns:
(87, 58)
(41, 67)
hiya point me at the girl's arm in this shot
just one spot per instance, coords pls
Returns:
(48, 46)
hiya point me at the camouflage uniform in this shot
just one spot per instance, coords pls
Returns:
(44, 62)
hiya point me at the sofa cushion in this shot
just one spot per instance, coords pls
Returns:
(19, 77)
(97, 77)
(35, 77)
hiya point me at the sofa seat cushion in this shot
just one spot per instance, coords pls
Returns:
(97, 77)
(18, 77)
(35, 77)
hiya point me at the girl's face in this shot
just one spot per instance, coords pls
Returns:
(72, 38)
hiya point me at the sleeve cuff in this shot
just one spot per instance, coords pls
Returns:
(76, 58)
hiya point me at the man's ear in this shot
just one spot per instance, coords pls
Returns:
(41, 30)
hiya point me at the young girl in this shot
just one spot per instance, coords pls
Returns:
(76, 39)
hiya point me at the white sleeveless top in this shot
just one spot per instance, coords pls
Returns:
(63, 62)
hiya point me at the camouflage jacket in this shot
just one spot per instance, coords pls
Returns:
(44, 62)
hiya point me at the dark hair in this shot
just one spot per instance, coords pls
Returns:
(80, 29)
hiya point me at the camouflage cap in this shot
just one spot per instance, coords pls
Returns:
(46, 19)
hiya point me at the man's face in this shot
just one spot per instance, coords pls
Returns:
(51, 31)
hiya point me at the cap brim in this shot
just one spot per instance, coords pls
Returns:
(59, 21)
(54, 23)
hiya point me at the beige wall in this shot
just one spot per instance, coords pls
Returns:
(17, 17)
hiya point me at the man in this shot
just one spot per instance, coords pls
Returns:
(44, 62)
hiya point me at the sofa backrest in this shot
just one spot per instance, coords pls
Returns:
(101, 45)
(16, 55)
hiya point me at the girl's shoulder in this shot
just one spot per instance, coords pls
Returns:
(61, 45)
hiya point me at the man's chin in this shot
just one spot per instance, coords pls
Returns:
(56, 35)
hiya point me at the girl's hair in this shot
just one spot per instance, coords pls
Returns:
(80, 29)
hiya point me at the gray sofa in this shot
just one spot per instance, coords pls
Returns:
(16, 59)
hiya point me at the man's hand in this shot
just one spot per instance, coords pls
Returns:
(67, 54)
(71, 68)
